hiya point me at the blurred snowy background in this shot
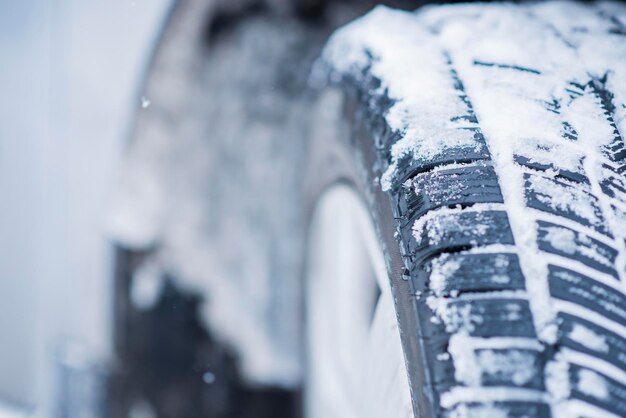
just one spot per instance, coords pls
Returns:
(220, 146)
(70, 71)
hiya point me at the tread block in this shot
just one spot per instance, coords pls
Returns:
(566, 242)
(434, 333)
(511, 367)
(566, 174)
(615, 151)
(585, 336)
(619, 214)
(497, 317)
(461, 229)
(515, 368)
(443, 372)
(411, 165)
(450, 187)
(552, 196)
(459, 273)
(501, 410)
(574, 287)
(614, 186)
(597, 389)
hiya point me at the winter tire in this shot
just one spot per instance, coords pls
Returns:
(487, 141)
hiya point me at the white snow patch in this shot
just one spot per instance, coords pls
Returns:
(475, 357)
(460, 394)
(466, 369)
(502, 261)
(457, 317)
(443, 270)
(437, 222)
(562, 239)
(491, 249)
(482, 411)
(557, 378)
(586, 337)
(592, 384)
(516, 366)
(581, 409)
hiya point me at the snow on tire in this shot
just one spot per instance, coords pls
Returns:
(497, 134)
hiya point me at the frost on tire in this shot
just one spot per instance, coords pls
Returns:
(499, 132)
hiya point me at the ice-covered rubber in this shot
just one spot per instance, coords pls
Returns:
(498, 135)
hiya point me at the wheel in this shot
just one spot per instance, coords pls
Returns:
(354, 356)
(487, 144)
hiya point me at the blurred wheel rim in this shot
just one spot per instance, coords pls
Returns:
(355, 363)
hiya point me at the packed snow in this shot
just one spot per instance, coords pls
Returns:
(422, 95)
(593, 384)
